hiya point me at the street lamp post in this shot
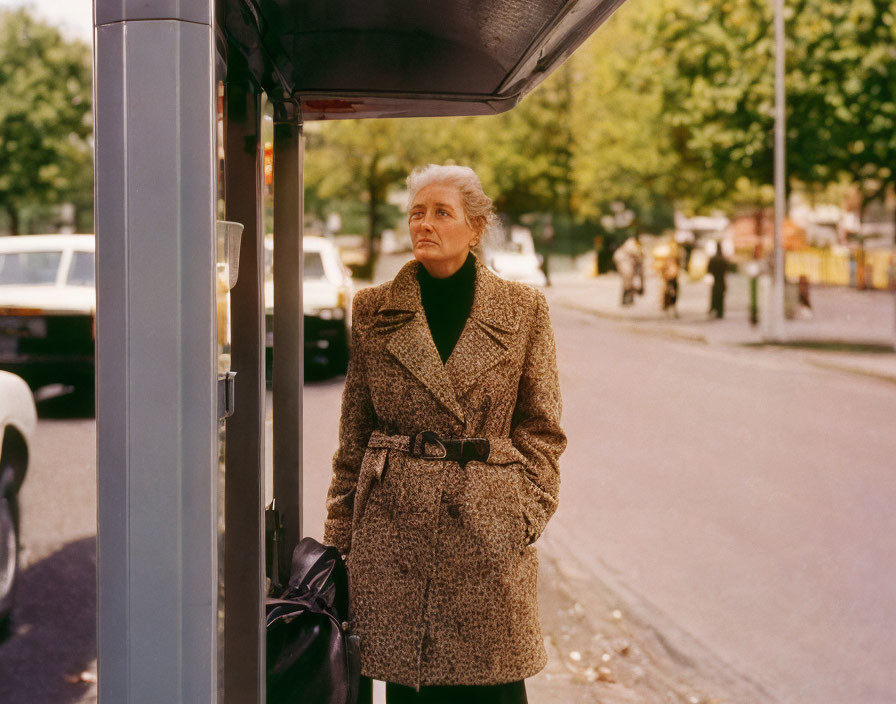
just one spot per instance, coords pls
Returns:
(776, 312)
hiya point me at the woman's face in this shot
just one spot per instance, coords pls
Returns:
(439, 231)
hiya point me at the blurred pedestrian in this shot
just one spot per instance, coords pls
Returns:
(548, 235)
(447, 466)
(718, 268)
(668, 266)
(804, 308)
(638, 280)
(628, 259)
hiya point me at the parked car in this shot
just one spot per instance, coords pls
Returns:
(354, 253)
(516, 259)
(17, 422)
(327, 302)
(47, 309)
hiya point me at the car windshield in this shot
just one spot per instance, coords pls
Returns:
(314, 266)
(29, 268)
(82, 271)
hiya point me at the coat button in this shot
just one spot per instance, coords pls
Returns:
(454, 511)
(426, 647)
(404, 567)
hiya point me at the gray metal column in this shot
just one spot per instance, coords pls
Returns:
(244, 663)
(288, 328)
(156, 403)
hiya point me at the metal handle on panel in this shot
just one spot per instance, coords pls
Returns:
(226, 396)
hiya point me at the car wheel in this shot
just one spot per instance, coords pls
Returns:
(84, 396)
(338, 358)
(9, 557)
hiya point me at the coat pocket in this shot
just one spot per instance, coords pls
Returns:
(372, 467)
(521, 521)
(495, 510)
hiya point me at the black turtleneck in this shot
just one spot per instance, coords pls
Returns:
(447, 303)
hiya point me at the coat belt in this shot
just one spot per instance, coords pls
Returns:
(432, 446)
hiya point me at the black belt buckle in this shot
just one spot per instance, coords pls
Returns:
(461, 450)
(418, 445)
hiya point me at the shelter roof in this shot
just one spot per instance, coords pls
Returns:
(404, 58)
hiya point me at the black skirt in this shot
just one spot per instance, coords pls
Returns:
(509, 693)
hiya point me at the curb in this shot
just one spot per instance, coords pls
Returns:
(812, 349)
(839, 366)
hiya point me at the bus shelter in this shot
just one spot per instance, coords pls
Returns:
(181, 325)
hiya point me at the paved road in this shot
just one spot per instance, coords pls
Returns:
(54, 629)
(747, 495)
(736, 506)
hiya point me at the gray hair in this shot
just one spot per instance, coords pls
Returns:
(478, 209)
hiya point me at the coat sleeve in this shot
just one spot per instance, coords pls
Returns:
(355, 426)
(536, 439)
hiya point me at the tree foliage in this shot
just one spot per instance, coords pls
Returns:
(842, 89)
(622, 148)
(45, 117)
(718, 97)
(718, 94)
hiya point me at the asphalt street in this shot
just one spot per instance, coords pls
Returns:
(724, 532)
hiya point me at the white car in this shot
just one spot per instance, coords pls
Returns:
(47, 309)
(327, 291)
(17, 422)
(516, 259)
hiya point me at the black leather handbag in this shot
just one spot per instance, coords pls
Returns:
(311, 656)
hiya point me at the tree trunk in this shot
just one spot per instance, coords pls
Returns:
(372, 219)
(14, 222)
(758, 248)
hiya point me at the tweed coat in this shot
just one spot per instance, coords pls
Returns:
(441, 564)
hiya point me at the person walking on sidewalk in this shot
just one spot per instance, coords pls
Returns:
(447, 467)
(628, 260)
(718, 268)
(666, 263)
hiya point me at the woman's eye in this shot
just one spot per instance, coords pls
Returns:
(415, 216)
(440, 211)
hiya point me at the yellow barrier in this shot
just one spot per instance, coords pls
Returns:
(834, 267)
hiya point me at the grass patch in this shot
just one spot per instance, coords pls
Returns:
(829, 346)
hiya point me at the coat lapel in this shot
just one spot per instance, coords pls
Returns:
(493, 322)
(401, 317)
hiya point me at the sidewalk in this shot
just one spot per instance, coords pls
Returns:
(851, 330)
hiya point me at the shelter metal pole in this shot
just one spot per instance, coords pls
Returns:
(244, 577)
(157, 422)
(288, 326)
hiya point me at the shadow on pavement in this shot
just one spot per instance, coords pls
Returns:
(52, 638)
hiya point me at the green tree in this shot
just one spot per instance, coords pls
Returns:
(719, 95)
(45, 117)
(361, 160)
(622, 146)
(356, 159)
(530, 150)
(842, 92)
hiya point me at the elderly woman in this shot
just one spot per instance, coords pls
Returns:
(447, 467)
